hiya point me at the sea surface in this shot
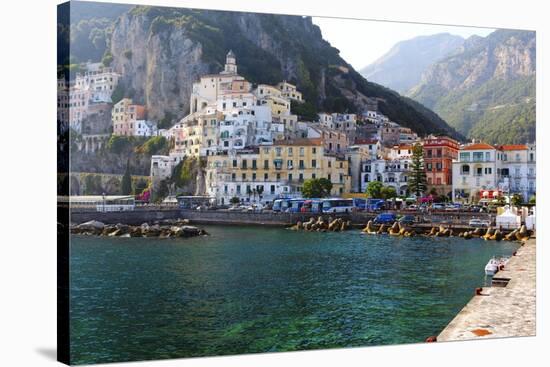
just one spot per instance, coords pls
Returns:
(253, 289)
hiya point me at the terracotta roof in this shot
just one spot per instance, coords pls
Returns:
(478, 146)
(298, 142)
(513, 147)
(365, 141)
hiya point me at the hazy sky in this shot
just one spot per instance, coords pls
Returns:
(361, 42)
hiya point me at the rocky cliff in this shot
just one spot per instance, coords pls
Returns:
(486, 89)
(162, 51)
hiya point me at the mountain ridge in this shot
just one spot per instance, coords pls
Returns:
(487, 89)
(402, 66)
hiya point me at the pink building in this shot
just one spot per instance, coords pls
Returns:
(124, 116)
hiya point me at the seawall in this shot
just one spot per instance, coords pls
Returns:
(358, 219)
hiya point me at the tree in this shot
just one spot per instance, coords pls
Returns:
(316, 188)
(374, 190)
(117, 144)
(533, 200)
(126, 184)
(517, 200)
(234, 200)
(417, 176)
(388, 192)
(184, 172)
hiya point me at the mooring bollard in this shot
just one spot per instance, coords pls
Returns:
(431, 339)
(478, 291)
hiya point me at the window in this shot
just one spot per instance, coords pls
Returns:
(266, 164)
(244, 164)
(478, 156)
(301, 152)
(479, 171)
(439, 166)
(244, 176)
(301, 166)
(233, 177)
(464, 156)
(272, 189)
(254, 177)
(234, 163)
(290, 176)
(266, 177)
(488, 170)
(465, 169)
(289, 164)
(254, 164)
(301, 177)
(329, 164)
(238, 189)
(429, 153)
(314, 150)
(278, 151)
(314, 163)
(290, 151)
(313, 175)
(428, 166)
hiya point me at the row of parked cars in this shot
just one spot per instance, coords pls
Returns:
(448, 207)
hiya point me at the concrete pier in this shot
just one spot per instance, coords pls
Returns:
(501, 311)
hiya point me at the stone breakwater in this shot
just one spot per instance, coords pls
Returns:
(160, 229)
(506, 309)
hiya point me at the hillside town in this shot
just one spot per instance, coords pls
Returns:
(254, 149)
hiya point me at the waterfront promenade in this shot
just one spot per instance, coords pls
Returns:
(501, 311)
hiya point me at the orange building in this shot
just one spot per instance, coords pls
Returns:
(439, 153)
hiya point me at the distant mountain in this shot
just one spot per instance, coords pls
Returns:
(486, 89)
(402, 67)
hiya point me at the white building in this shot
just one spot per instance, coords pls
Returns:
(483, 172)
(476, 173)
(391, 172)
(100, 81)
(518, 169)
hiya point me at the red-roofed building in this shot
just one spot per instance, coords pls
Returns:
(439, 153)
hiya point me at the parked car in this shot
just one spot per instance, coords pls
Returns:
(237, 208)
(478, 223)
(452, 207)
(256, 208)
(438, 206)
(385, 218)
(412, 208)
(407, 219)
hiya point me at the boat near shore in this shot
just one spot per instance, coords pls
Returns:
(494, 265)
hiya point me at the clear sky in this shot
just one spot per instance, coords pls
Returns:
(361, 42)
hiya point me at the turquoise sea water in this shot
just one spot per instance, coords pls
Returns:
(251, 289)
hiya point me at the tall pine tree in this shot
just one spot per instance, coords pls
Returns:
(417, 175)
(126, 183)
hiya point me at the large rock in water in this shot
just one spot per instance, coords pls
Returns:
(92, 225)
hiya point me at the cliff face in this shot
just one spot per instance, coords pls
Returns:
(162, 51)
(158, 68)
(402, 67)
(486, 89)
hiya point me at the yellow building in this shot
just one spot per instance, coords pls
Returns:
(274, 170)
(289, 91)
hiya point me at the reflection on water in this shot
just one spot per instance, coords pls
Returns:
(251, 289)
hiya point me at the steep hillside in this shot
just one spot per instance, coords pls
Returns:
(402, 66)
(162, 51)
(486, 90)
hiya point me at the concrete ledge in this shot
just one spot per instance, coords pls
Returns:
(501, 311)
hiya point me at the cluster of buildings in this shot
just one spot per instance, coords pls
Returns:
(85, 105)
(254, 148)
